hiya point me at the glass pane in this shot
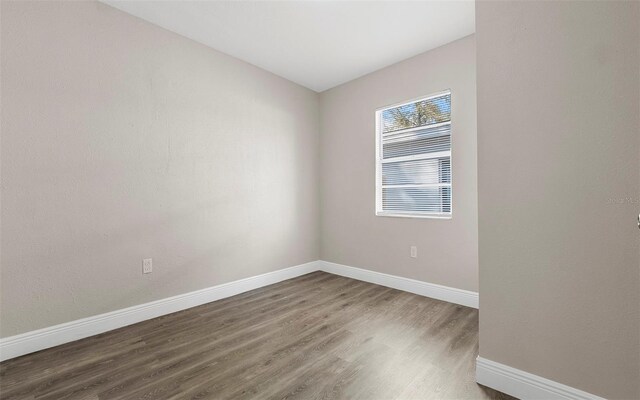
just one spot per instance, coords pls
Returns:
(417, 199)
(435, 170)
(416, 146)
(419, 113)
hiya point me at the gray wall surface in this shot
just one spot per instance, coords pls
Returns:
(558, 174)
(123, 141)
(351, 232)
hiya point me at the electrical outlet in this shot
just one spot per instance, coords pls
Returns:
(414, 252)
(147, 266)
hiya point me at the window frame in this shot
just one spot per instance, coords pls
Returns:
(378, 133)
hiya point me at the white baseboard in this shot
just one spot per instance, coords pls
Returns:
(18, 345)
(524, 385)
(452, 295)
(512, 381)
(29, 342)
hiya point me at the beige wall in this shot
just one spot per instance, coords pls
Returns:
(351, 233)
(122, 141)
(558, 131)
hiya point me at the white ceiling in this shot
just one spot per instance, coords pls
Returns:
(318, 44)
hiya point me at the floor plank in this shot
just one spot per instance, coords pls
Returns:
(318, 336)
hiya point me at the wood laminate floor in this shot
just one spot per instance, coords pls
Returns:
(319, 336)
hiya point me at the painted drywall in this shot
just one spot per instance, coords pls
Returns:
(122, 141)
(558, 173)
(297, 39)
(351, 232)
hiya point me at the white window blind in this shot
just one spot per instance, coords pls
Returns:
(413, 158)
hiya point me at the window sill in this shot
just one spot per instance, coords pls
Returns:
(427, 216)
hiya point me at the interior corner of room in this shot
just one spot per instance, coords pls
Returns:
(226, 199)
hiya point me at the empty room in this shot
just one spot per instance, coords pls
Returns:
(317, 199)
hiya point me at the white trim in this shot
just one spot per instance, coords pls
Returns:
(417, 157)
(18, 345)
(378, 163)
(445, 293)
(414, 215)
(524, 385)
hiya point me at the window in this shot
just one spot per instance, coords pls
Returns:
(413, 158)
